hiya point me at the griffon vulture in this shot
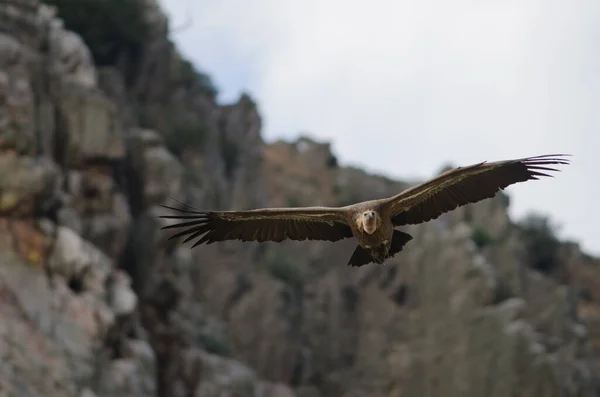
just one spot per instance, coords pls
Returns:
(373, 222)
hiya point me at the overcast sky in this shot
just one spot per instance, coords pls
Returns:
(401, 87)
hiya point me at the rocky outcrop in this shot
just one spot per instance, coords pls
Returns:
(59, 141)
(452, 315)
(96, 301)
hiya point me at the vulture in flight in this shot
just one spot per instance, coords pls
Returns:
(372, 223)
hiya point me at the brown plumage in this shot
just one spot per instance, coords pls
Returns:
(372, 222)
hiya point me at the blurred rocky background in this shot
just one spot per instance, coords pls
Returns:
(102, 120)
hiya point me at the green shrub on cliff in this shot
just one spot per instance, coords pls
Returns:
(285, 268)
(541, 244)
(113, 29)
(186, 136)
(185, 74)
(481, 237)
(216, 345)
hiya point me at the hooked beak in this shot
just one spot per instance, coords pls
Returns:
(369, 222)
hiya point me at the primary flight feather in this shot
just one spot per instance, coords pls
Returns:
(371, 222)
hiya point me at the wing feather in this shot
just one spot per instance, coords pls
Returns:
(268, 224)
(464, 185)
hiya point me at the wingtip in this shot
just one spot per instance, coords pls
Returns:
(547, 159)
(185, 204)
(555, 155)
(560, 157)
(168, 207)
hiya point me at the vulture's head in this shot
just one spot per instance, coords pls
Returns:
(369, 221)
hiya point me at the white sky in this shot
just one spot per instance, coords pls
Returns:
(403, 86)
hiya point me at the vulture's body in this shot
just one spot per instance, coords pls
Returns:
(373, 223)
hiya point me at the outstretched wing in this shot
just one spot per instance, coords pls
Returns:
(269, 224)
(464, 185)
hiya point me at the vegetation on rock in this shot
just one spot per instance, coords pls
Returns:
(184, 74)
(283, 267)
(230, 152)
(190, 136)
(216, 345)
(111, 28)
(541, 244)
(481, 237)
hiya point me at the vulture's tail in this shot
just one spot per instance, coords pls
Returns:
(362, 256)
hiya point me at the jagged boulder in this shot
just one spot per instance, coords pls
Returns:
(50, 327)
(19, 18)
(89, 127)
(17, 127)
(155, 173)
(26, 183)
(70, 56)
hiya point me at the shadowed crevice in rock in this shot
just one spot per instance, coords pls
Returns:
(400, 295)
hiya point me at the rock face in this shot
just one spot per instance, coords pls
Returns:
(96, 301)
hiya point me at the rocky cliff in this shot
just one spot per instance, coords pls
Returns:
(97, 130)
